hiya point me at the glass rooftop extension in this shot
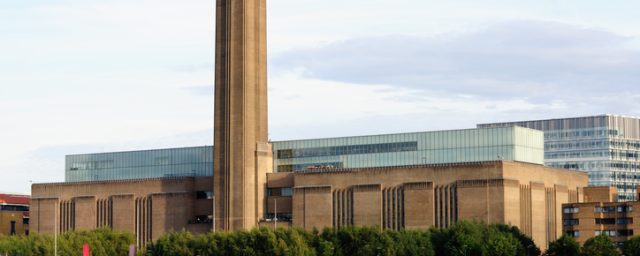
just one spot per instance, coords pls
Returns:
(435, 147)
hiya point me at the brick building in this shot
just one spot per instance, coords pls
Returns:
(601, 213)
(14, 214)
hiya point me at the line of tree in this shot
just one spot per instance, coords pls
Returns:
(600, 245)
(103, 242)
(463, 238)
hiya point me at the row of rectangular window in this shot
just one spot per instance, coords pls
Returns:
(548, 135)
(611, 221)
(616, 154)
(348, 150)
(309, 167)
(600, 221)
(614, 233)
(583, 144)
(598, 143)
(605, 209)
(599, 165)
(14, 208)
(570, 210)
(600, 209)
(611, 233)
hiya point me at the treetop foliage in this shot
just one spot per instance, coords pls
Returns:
(103, 242)
(463, 238)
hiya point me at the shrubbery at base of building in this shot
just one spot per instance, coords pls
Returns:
(463, 238)
(102, 242)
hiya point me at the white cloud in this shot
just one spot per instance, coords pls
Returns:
(319, 105)
(79, 76)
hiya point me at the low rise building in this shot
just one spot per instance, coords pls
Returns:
(14, 214)
(601, 213)
(147, 208)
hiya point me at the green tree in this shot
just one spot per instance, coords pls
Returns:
(412, 242)
(564, 246)
(599, 246)
(500, 243)
(463, 238)
(101, 241)
(528, 247)
(632, 247)
(355, 241)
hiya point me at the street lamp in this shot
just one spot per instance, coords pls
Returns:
(55, 229)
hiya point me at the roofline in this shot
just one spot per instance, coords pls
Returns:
(141, 150)
(323, 138)
(403, 133)
(560, 118)
(118, 181)
(478, 163)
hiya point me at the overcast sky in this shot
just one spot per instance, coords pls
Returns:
(85, 76)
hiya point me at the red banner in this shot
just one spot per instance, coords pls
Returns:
(85, 250)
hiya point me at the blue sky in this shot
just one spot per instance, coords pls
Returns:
(83, 76)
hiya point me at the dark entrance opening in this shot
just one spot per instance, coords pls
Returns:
(13, 228)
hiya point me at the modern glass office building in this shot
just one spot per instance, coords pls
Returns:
(174, 162)
(453, 146)
(605, 146)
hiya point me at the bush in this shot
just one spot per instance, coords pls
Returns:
(599, 246)
(103, 242)
(632, 247)
(564, 246)
(471, 238)
(528, 247)
(464, 238)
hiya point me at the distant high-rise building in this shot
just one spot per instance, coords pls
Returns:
(605, 146)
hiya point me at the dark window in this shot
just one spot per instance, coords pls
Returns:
(624, 221)
(279, 192)
(14, 208)
(605, 209)
(25, 221)
(625, 232)
(13, 228)
(202, 219)
(282, 216)
(570, 222)
(573, 233)
(204, 195)
(570, 210)
(626, 208)
(606, 221)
